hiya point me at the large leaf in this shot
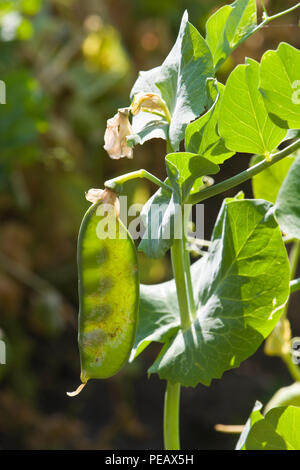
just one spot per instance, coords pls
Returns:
(277, 430)
(160, 218)
(158, 315)
(241, 286)
(180, 80)
(228, 27)
(267, 183)
(287, 207)
(243, 120)
(280, 85)
(201, 136)
(185, 168)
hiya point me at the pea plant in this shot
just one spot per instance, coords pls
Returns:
(216, 312)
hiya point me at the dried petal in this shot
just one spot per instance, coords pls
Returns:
(94, 195)
(107, 196)
(118, 128)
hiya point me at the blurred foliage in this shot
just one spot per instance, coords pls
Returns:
(68, 65)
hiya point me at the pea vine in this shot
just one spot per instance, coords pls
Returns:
(216, 312)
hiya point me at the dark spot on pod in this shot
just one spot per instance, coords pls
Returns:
(100, 313)
(114, 333)
(104, 285)
(103, 255)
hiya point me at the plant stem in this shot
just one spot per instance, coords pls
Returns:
(187, 266)
(267, 19)
(177, 255)
(169, 147)
(172, 396)
(116, 183)
(171, 417)
(295, 285)
(278, 15)
(244, 175)
(187, 263)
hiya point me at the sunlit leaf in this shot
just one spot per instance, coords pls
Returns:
(243, 120)
(241, 286)
(228, 27)
(180, 80)
(280, 85)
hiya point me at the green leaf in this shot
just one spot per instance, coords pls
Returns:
(266, 184)
(201, 136)
(278, 430)
(185, 168)
(243, 120)
(180, 80)
(287, 208)
(228, 27)
(159, 216)
(241, 286)
(158, 315)
(280, 85)
(146, 126)
(285, 396)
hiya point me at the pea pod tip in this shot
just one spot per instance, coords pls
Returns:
(77, 391)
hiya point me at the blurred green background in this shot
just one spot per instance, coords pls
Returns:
(68, 65)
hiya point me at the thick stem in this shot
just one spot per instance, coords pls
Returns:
(187, 263)
(177, 255)
(187, 266)
(172, 396)
(171, 417)
(243, 176)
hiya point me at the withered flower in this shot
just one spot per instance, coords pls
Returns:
(118, 128)
(150, 102)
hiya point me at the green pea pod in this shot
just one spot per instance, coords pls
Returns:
(108, 294)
